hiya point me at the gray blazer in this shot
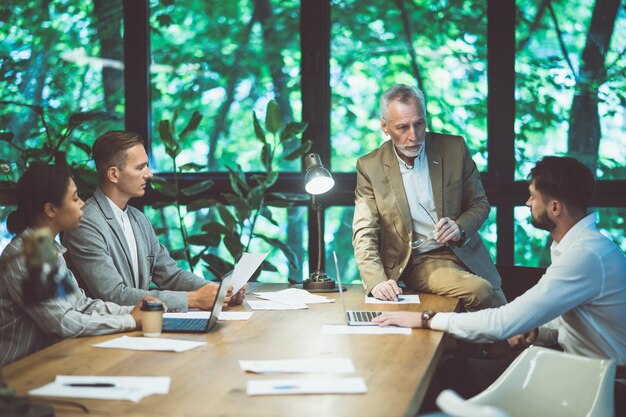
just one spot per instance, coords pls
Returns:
(99, 256)
(382, 229)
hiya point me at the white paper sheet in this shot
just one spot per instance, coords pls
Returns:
(402, 299)
(331, 365)
(307, 386)
(150, 343)
(344, 329)
(131, 388)
(205, 315)
(294, 296)
(245, 267)
(273, 305)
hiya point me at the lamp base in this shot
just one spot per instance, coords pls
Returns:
(319, 281)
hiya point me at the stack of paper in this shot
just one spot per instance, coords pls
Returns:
(294, 298)
(307, 386)
(149, 343)
(337, 365)
(402, 299)
(131, 388)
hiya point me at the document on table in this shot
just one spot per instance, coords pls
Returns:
(131, 388)
(402, 299)
(150, 343)
(245, 268)
(273, 305)
(294, 296)
(331, 365)
(205, 315)
(307, 386)
(344, 329)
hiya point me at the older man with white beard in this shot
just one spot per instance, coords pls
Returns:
(418, 207)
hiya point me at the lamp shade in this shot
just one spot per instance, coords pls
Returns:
(317, 179)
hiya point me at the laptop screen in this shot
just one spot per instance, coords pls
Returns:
(219, 300)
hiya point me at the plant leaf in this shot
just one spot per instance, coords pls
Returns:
(233, 244)
(82, 146)
(258, 131)
(242, 210)
(171, 145)
(215, 264)
(215, 227)
(272, 117)
(265, 212)
(163, 186)
(255, 197)
(210, 240)
(6, 136)
(197, 188)
(229, 220)
(289, 253)
(192, 166)
(266, 266)
(192, 126)
(200, 204)
(292, 129)
(266, 157)
(300, 151)
(233, 178)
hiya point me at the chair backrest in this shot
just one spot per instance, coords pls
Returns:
(516, 280)
(545, 382)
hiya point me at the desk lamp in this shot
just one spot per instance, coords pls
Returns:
(317, 180)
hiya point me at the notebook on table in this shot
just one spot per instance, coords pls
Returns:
(354, 317)
(196, 325)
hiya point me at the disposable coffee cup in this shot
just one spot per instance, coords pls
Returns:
(151, 318)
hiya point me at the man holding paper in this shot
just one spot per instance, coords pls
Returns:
(115, 252)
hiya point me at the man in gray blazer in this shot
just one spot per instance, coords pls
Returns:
(115, 253)
(418, 207)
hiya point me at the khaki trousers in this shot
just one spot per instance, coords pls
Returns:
(442, 272)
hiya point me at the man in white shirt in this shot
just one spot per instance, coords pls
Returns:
(418, 206)
(115, 253)
(579, 303)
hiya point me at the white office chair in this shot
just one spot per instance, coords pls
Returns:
(542, 382)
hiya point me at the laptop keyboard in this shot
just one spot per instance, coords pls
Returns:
(184, 324)
(364, 316)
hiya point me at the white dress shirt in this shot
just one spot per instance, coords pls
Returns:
(124, 221)
(419, 190)
(580, 302)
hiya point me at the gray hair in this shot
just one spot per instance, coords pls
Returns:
(402, 93)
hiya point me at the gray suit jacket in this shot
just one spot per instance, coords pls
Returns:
(382, 226)
(99, 256)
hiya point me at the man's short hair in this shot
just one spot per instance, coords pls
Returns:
(565, 179)
(110, 150)
(402, 93)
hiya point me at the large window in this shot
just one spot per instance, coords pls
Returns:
(518, 79)
(224, 59)
(61, 84)
(439, 46)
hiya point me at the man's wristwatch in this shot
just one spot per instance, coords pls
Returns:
(426, 316)
(463, 235)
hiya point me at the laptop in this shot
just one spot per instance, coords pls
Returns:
(195, 325)
(354, 317)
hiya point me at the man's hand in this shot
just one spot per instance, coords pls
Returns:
(447, 230)
(399, 318)
(203, 297)
(136, 312)
(239, 296)
(387, 290)
(522, 341)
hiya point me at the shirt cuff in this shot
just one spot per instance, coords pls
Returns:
(441, 321)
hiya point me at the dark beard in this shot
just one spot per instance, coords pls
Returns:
(543, 222)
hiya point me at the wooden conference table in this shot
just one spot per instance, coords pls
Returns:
(207, 381)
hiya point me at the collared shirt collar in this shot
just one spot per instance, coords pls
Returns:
(118, 212)
(589, 221)
(401, 162)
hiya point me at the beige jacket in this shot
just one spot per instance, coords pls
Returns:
(381, 230)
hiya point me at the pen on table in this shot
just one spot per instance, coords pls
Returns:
(285, 386)
(91, 385)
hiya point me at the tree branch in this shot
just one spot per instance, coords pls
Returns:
(559, 36)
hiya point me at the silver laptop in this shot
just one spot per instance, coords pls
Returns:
(195, 325)
(354, 317)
